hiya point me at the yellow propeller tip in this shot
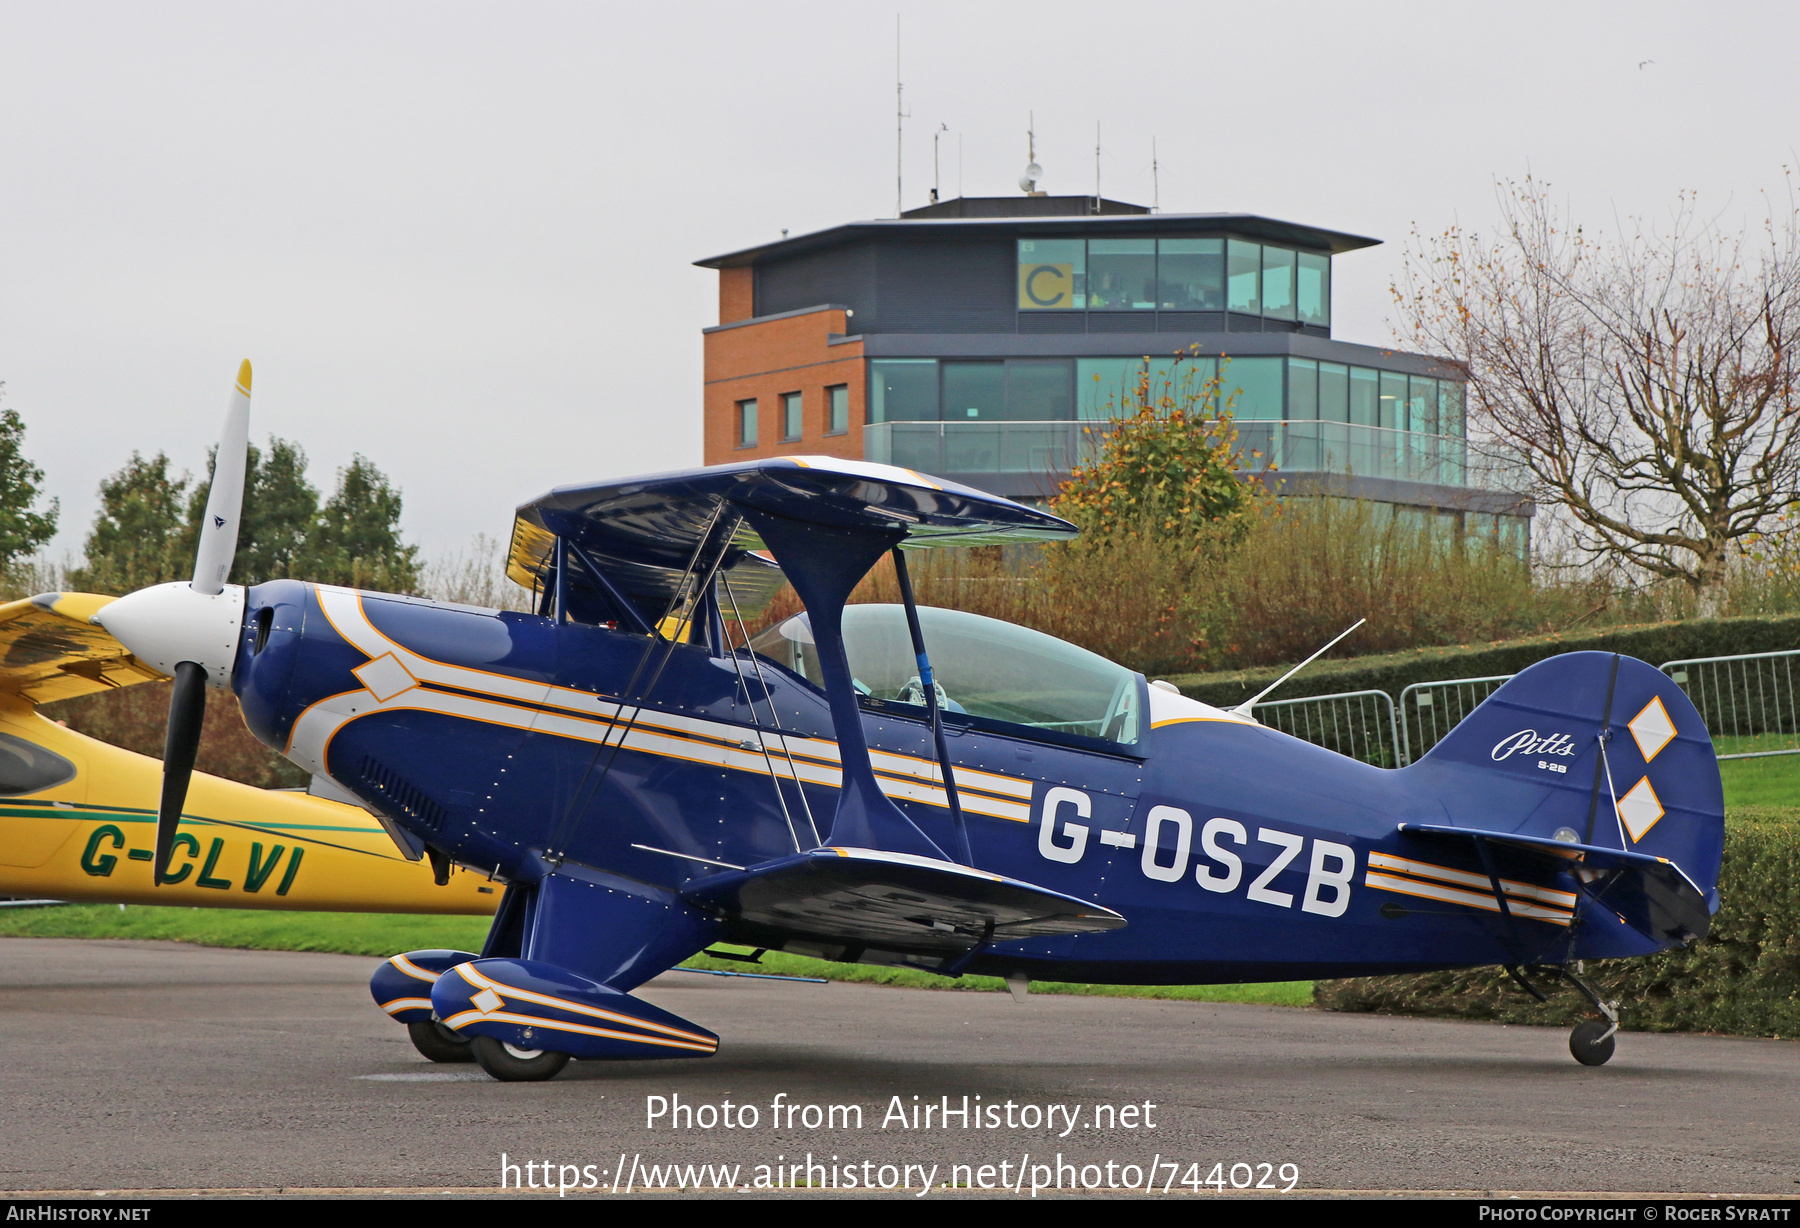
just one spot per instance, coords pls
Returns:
(244, 377)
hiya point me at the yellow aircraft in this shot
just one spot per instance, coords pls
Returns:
(78, 817)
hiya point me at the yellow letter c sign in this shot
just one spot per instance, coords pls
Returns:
(1046, 285)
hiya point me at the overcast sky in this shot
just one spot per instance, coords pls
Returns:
(458, 238)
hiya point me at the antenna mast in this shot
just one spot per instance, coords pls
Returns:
(1096, 166)
(942, 128)
(1155, 188)
(1244, 708)
(1028, 182)
(899, 118)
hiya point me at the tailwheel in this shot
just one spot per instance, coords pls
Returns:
(511, 1064)
(1591, 1042)
(437, 1043)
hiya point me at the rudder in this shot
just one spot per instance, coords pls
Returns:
(1529, 761)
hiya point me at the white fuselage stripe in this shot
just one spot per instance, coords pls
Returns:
(564, 712)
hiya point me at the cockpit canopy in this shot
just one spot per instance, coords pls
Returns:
(985, 669)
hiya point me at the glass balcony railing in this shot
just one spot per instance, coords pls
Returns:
(1011, 454)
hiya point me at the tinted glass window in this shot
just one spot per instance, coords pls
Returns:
(1450, 409)
(974, 390)
(1039, 389)
(746, 423)
(1303, 389)
(1183, 383)
(793, 417)
(1393, 400)
(1334, 392)
(838, 412)
(1314, 293)
(28, 768)
(1422, 399)
(1365, 401)
(1257, 383)
(1121, 274)
(1278, 283)
(1106, 387)
(1243, 276)
(1052, 274)
(1191, 274)
(903, 390)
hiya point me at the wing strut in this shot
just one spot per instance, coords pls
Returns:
(931, 705)
(824, 564)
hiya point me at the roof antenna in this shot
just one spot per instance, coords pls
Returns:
(1096, 166)
(1243, 709)
(1155, 188)
(899, 116)
(942, 128)
(1028, 182)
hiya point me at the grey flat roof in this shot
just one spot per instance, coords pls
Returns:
(1249, 225)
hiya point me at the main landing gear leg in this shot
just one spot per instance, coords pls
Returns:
(1591, 1041)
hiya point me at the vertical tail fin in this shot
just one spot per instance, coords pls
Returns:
(1592, 749)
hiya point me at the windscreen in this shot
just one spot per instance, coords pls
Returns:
(983, 667)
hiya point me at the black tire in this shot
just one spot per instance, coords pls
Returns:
(437, 1043)
(1589, 1043)
(511, 1065)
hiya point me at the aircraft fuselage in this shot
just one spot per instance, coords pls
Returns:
(1236, 852)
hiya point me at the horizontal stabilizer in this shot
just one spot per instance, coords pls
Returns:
(49, 650)
(897, 901)
(1650, 894)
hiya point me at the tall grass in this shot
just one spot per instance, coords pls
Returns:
(474, 575)
(28, 577)
(1303, 571)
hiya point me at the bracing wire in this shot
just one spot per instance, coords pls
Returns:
(631, 692)
(775, 720)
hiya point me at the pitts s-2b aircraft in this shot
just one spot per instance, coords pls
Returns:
(902, 785)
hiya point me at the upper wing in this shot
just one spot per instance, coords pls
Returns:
(643, 532)
(49, 650)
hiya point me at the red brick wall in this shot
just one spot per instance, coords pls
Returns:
(763, 361)
(736, 295)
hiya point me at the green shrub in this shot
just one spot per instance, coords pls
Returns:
(1392, 672)
(1743, 978)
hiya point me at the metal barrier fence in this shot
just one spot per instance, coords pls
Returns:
(1748, 702)
(1429, 710)
(1359, 724)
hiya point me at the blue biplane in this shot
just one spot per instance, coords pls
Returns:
(901, 785)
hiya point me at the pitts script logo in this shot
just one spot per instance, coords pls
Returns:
(1527, 742)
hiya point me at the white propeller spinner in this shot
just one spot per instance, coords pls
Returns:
(198, 620)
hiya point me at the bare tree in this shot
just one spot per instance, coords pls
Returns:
(1647, 382)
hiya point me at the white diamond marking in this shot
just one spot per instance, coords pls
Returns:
(1640, 809)
(1652, 728)
(386, 677)
(487, 1001)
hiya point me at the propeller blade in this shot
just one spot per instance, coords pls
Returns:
(187, 708)
(225, 502)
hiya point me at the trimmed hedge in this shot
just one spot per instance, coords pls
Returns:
(1393, 672)
(1742, 979)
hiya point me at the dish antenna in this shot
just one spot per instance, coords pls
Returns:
(1028, 182)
